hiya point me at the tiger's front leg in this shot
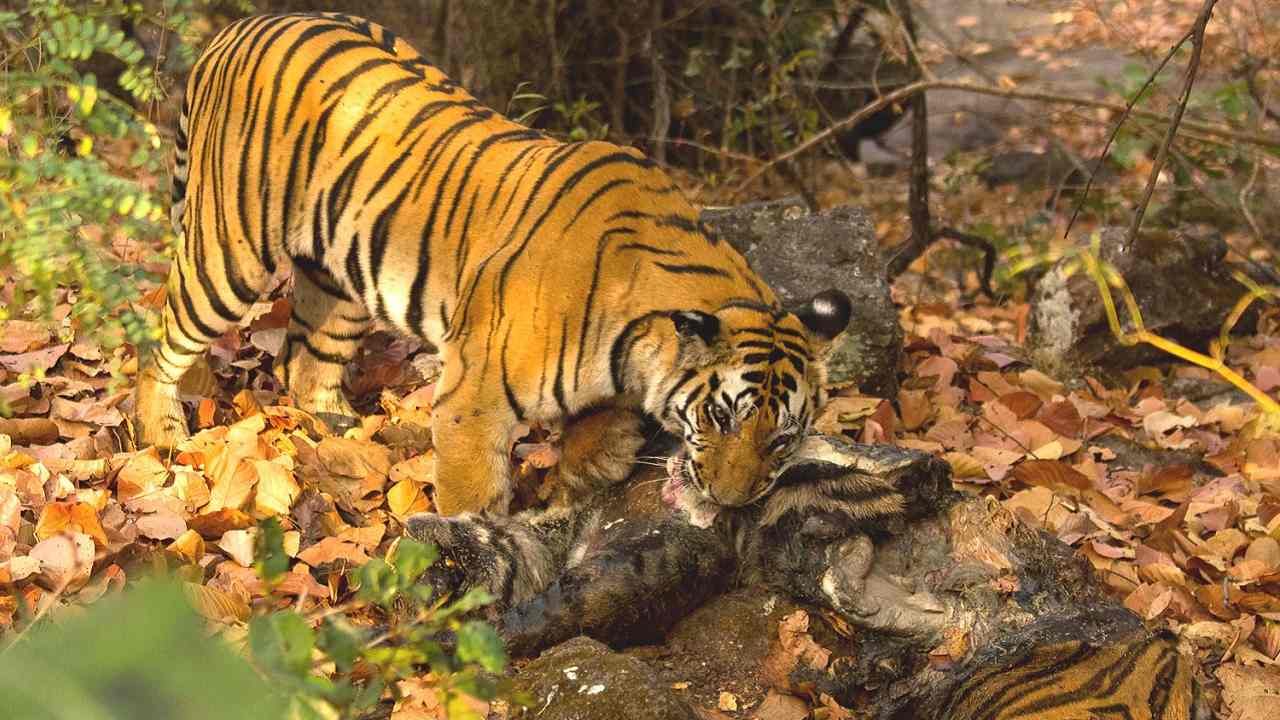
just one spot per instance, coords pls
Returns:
(471, 429)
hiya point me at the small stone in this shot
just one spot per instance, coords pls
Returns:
(728, 702)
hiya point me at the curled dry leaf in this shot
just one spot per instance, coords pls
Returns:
(331, 550)
(793, 633)
(212, 526)
(162, 526)
(1249, 693)
(142, 474)
(777, 706)
(216, 604)
(238, 545)
(66, 560)
(276, 488)
(187, 547)
(406, 498)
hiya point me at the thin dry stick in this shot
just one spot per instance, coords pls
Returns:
(1097, 165)
(1193, 64)
(906, 91)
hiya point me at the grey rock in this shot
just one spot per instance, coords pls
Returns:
(1182, 284)
(583, 679)
(800, 253)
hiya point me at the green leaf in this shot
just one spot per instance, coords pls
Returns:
(341, 642)
(379, 582)
(88, 96)
(140, 654)
(412, 558)
(478, 642)
(269, 558)
(282, 642)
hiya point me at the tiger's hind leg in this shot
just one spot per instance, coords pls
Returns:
(597, 451)
(196, 312)
(324, 333)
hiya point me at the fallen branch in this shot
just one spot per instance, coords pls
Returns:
(906, 91)
(1193, 64)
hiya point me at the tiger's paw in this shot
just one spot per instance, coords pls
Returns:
(599, 450)
(469, 557)
(159, 419)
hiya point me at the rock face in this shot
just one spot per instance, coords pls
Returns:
(1181, 282)
(584, 680)
(800, 254)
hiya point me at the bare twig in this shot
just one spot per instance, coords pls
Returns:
(661, 93)
(1193, 64)
(1251, 82)
(907, 91)
(1102, 156)
(981, 243)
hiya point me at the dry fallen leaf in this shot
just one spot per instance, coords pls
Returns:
(332, 550)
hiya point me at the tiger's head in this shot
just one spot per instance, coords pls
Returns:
(746, 384)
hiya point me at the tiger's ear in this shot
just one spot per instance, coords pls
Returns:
(826, 315)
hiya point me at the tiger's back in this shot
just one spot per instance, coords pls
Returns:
(554, 278)
(1141, 677)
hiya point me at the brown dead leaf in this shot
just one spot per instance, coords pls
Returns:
(844, 412)
(238, 545)
(217, 605)
(30, 431)
(1040, 384)
(34, 361)
(20, 336)
(188, 547)
(331, 550)
(276, 487)
(66, 560)
(793, 633)
(916, 408)
(1052, 474)
(162, 526)
(419, 468)
(54, 518)
(212, 526)
(1249, 693)
(141, 475)
(1023, 404)
(1062, 417)
(406, 498)
(86, 411)
(777, 706)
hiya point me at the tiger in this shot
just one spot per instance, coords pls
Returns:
(625, 575)
(555, 280)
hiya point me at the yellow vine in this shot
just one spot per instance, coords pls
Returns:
(1106, 278)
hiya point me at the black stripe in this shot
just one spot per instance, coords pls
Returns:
(649, 248)
(558, 388)
(693, 269)
(601, 245)
(599, 193)
(506, 379)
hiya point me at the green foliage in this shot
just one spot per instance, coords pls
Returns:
(145, 653)
(79, 164)
(287, 648)
(141, 654)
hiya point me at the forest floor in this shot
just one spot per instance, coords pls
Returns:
(1157, 475)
